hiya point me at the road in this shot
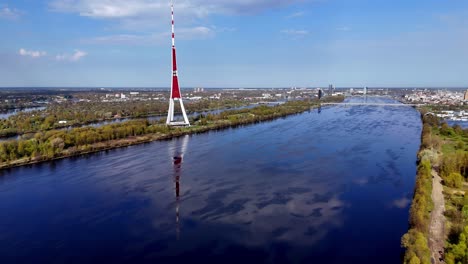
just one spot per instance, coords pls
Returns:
(437, 225)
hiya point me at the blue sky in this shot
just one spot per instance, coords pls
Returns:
(226, 43)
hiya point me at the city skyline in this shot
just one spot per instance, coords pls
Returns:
(88, 43)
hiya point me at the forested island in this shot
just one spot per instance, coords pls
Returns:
(75, 114)
(56, 144)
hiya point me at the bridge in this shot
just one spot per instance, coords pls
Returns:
(372, 104)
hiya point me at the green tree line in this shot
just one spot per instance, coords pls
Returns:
(415, 241)
(444, 149)
(83, 113)
(46, 145)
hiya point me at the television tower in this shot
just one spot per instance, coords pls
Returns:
(175, 88)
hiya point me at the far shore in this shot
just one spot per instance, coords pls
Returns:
(172, 133)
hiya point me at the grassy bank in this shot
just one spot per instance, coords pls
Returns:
(416, 240)
(57, 144)
(453, 168)
(444, 149)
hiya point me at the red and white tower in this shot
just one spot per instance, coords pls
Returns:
(175, 88)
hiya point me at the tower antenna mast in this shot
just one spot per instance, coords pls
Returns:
(175, 88)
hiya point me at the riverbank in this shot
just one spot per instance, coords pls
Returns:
(59, 144)
(439, 212)
(14, 132)
(416, 240)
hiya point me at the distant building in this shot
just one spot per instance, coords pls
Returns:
(465, 98)
(216, 96)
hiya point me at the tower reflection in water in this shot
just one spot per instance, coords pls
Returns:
(177, 160)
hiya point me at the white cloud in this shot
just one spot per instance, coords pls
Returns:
(107, 8)
(224, 29)
(9, 13)
(134, 8)
(195, 32)
(297, 14)
(297, 33)
(32, 53)
(76, 56)
(144, 14)
(151, 39)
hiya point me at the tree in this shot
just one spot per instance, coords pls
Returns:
(458, 129)
(465, 211)
(446, 130)
(57, 145)
(3, 153)
(48, 122)
(457, 253)
(417, 249)
(454, 180)
(414, 260)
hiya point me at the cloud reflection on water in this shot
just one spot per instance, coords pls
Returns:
(291, 189)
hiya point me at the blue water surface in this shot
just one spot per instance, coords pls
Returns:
(328, 187)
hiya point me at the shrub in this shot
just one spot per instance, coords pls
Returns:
(454, 180)
(417, 249)
(458, 252)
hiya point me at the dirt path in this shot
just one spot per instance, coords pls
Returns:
(437, 226)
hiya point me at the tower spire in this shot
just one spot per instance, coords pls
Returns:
(175, 88)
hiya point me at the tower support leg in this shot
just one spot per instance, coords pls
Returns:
(170, 114)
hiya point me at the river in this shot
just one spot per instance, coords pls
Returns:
(321, 187)
(462, 124)
(7, 114)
